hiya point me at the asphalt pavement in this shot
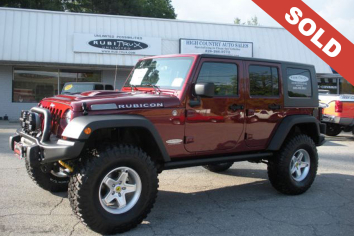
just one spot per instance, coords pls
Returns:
(194, 201)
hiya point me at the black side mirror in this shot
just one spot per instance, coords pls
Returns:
(204, 89)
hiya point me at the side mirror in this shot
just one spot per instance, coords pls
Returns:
(204, 89)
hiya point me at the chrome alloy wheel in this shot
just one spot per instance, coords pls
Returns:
(120, 190)
(300, 165)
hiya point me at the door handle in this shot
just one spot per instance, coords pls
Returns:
(274, 107)
(235, 107)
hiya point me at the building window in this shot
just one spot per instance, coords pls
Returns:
(345, 87)
(299, 83)
(327, 85)
(223, 75)
(264, 81)
(31, 85)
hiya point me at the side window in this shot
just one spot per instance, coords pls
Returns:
(264, 81)
(299, 83)
(223, 75)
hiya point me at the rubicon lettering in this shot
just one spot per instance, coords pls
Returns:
(113, 44)
(143, 105)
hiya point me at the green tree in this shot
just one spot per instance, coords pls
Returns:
(145, 8)
(253, 21)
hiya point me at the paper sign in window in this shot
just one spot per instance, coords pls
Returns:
(138, 76)
(177, 82)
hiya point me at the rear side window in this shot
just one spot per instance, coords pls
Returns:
(299, 83)
(223, 75)
(264, 81)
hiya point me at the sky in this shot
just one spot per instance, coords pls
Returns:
(339, 13)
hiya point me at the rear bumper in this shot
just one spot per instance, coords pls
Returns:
(37, 152)
(338, 120)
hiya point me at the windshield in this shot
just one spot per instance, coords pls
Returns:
(76, 88)
(168, 73)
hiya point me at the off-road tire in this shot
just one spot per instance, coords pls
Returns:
(279, 166)
(47, 181)
(333, 130)
(217, 168)
(84, 185)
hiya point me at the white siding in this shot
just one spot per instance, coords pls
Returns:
(44, 36)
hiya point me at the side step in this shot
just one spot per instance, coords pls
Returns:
(214, 160)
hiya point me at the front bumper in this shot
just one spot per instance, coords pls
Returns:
(43, 150)
(37, 152)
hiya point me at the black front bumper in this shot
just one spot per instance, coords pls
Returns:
(38, 152)
(43, 150)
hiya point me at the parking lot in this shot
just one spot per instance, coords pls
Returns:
(194, 201)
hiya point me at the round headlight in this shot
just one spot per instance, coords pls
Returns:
(68, 115)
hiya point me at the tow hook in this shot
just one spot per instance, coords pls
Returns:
(71, 169)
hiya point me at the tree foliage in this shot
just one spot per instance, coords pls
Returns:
(253, 21)
(146, 8)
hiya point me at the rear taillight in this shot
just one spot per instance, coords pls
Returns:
(339, 106)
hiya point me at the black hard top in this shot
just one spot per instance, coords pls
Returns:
(253, 59)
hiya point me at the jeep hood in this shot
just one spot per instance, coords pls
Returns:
(123, 100)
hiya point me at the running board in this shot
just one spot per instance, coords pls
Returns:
(215, 160)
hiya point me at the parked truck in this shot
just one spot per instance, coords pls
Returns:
(338, 113)
(106, 148)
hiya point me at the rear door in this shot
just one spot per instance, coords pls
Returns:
(216, 123)
(265, 102)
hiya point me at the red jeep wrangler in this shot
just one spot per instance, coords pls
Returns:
(107, 147)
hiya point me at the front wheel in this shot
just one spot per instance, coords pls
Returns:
(114, 191)
(293, 169)
(54, 181)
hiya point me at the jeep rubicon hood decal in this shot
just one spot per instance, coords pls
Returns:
(117, 101)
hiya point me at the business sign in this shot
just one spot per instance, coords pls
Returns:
(229, 48)
(117, 44)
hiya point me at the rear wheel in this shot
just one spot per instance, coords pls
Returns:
(293, 169)
(333, 129)
(53, 181)
(217, 168)
(114, 191)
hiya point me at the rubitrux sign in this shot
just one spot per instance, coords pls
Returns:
(117, 44)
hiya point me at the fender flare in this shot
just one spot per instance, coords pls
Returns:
(75, 129)
(287, 124)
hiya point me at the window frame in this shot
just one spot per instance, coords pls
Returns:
(58, 71)
(239, 68)
(280, 88)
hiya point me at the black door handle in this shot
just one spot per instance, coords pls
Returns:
(274, 106)
(235, 107)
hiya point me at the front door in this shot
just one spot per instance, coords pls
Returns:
(265, 102)
(216, 123)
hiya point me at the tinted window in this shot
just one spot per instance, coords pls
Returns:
(327, 86)
(109, 87)
(264, 81)
(299, 83)
(99, 87)
(223, 75)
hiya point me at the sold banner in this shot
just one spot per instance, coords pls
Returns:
(313, 31)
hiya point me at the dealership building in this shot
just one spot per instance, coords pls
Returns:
(42, 50)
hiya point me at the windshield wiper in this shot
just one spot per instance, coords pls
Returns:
(134, 88)
(156, 88)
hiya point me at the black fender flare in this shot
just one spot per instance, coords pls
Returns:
(287, 124)
(75, 129)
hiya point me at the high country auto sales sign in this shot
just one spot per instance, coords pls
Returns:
(117, 44)
(313, 31)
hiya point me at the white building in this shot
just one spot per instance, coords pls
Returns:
(41, 50)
